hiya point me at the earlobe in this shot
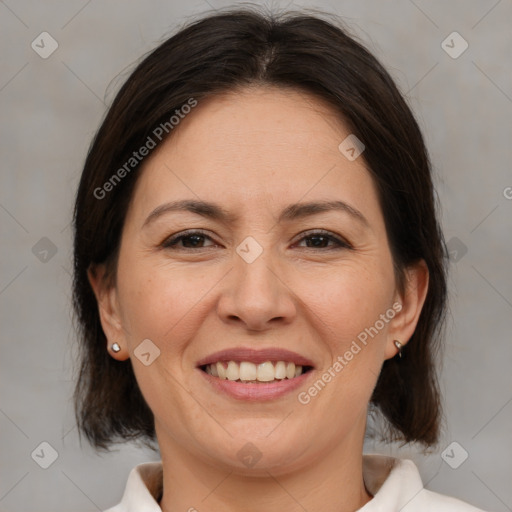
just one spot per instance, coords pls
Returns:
(412, 300)
(118, 352)
(108, 309)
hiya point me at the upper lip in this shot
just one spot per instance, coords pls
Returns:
(255, 356)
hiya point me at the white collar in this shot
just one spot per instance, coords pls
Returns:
(394, 483)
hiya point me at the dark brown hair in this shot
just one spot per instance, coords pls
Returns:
(220, 53)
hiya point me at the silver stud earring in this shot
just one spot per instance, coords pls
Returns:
(399, 347)
(115, 347)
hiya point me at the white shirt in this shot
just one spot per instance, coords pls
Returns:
(394, 483)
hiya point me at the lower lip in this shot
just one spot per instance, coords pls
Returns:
(256, 392)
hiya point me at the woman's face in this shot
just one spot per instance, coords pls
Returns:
(252, 238)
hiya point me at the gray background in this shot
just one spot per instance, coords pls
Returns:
(50, 111)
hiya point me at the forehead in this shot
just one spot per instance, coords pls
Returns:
(262, 144)
(264, 123)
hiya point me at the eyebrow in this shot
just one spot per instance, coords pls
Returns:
(291, 212)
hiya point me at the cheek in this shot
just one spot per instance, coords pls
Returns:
(348, 321)
(347, 302)
(162, 302)
(165, 305)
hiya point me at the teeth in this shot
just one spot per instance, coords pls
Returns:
(290, 370)
(266, 372)
(233, 371)
(220, 370)
(280, 370)
(246, 371)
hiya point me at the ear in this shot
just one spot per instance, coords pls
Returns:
(411, 301)
(108, 306)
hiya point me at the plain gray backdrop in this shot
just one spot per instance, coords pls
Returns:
(51, 108)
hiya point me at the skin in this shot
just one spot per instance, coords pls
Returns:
(255, 152)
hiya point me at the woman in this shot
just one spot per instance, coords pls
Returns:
(258, 261)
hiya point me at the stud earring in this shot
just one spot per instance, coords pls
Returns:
(115, 347)
(399, 347)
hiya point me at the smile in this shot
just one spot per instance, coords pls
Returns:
(246, 371)
(255, 374)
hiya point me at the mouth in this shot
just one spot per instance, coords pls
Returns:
(255, 374)
(249, 372)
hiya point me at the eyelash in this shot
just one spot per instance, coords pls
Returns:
(171, 242)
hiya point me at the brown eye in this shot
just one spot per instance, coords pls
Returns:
(323, 240)
(191, 240)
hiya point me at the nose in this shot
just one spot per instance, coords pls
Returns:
(256, 295)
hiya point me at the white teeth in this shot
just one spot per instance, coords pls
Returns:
(246, 371)
(221, 370)
(266, 372)
(280, 370)
(233, 371)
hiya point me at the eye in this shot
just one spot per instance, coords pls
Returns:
(321, 239)
(188, 240)
(194, 239)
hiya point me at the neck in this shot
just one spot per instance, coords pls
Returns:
(332, 483)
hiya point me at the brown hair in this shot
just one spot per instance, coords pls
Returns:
(219, 53)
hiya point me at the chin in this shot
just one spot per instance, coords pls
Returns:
(257, 448)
